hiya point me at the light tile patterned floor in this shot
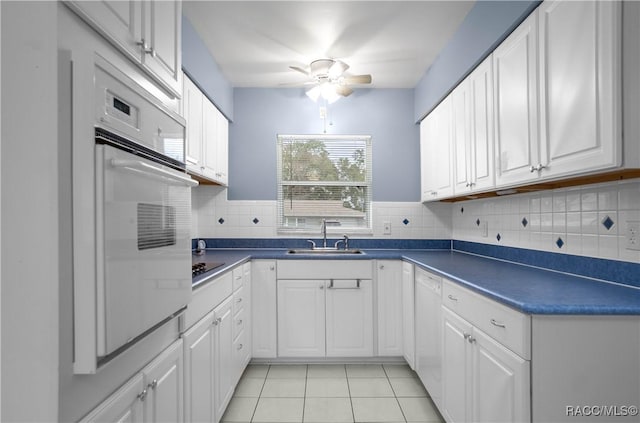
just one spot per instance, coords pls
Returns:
(328, 393)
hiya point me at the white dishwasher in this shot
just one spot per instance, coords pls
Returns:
(428, 292)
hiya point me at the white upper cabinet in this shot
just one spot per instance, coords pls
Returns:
(473, 131)
(147, 32)
(481, 168)
(516, 104)
(436, 150)
(579, 44)
(557, 95)
(207, 136)
(163, 35)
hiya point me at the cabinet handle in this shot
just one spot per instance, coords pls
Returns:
(239, 300)
(434, 192)
(272, 268)
(452, 298)
(321, 286)
(238, 278)
(494, 322)
(382, 267)
(153, 384)
(533, 168)
(239, 346)
(471, 339)
(145, 47)
(240, 322)
(466, 335)
(142, 395)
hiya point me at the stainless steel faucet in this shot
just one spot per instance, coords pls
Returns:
(324, 230)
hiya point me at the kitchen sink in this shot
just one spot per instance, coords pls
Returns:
(324, 251)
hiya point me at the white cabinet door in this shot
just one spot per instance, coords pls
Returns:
(209, 138)
(516, 105)
(349, 318)
(124, 406)
(500, 382)
(408, 313)
(163, 35)
(164, 379)
(264, 323)
(301, 318)
(461, 136)
(223, 367)
(199, 372)
(428, 329)
(481, 127)
(456, 367)
(192, 104)
(436, 147)
(118, 20)
(222, 162)
(389, 280)
(579, 95)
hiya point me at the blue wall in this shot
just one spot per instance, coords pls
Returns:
(485, 26)
(202, 68)
(263, 113)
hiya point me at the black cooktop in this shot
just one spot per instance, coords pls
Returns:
(204, 266)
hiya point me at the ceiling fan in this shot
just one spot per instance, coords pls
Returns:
(329, 79)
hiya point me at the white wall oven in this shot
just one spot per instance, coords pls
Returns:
(132, 220)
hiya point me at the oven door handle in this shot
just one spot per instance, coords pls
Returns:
(157, 171)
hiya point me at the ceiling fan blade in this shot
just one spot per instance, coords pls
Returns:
(343, 90)
(296, 84)
(296, 68)
(357, 79)
(337, 69)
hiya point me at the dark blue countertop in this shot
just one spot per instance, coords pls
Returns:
(528, 289)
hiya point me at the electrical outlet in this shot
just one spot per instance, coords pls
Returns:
(633, 235)
(484, 227)
(386, 228)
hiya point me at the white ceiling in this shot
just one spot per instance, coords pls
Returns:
(255, 42)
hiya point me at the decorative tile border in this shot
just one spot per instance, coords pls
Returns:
(284, 243)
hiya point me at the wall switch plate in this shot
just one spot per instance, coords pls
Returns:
(386, 228)
(632, 235)
(484, 227)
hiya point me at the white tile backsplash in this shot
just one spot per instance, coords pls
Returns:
(575, 215)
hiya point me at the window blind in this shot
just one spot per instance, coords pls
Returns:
(324, 177)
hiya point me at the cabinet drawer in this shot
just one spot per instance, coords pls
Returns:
(504, 324)
(239, 300)
(239, 321)
(207, 297)
(238, 279)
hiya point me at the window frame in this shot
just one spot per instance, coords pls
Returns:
(366, 229)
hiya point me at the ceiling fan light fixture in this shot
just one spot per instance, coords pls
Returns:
(314, 93)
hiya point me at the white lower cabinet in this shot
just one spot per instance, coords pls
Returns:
(213, 360)
(263, 309)
(318, 318)
(224, 377)
(408, 313)
(485, 359)
(154, 394)
(390, 316)
(482, 380)
(199, 371)
(349, 318)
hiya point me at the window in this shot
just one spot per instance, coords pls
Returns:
(324, 177)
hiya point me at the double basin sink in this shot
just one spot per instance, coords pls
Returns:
(324, 251)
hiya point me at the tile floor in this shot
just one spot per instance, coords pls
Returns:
(324, 393)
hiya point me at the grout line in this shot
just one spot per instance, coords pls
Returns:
(394, 393)
(304, 396)
(260, 394)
